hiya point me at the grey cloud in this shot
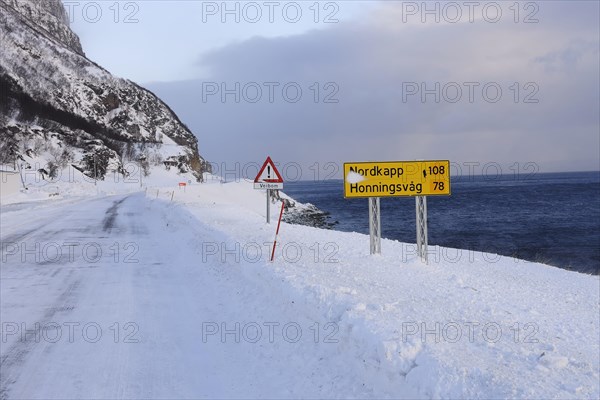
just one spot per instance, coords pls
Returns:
(568, 58)
(370, 62)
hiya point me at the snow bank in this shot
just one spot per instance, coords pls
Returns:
(469, 324)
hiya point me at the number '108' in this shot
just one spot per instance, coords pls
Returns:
(435, 170)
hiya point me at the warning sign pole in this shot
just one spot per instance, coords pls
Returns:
(268, 206)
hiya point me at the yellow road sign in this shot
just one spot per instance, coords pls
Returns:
(397, 178)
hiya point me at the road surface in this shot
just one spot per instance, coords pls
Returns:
(110, 297)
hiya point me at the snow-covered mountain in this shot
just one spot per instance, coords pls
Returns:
(58, 108)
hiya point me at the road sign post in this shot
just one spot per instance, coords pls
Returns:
(375, 225)
(419, 179)
(268, 178)
(421, 208)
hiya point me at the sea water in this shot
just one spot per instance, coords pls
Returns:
(553, 218)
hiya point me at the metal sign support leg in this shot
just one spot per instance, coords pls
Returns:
(421, 207)
(375, 225)
(268, 206)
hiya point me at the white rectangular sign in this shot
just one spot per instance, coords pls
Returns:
(268, 185)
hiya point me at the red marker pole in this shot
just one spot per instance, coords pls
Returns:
(277, 232)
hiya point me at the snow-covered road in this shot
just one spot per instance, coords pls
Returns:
(109, 298)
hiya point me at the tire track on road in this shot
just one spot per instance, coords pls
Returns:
(31, 342)
(19, 352)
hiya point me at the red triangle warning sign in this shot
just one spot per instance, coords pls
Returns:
(268, 173)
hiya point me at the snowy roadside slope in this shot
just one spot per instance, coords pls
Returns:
(71, 183)
(468, 325)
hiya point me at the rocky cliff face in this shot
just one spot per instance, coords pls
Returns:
(50, 18)
(76, 111)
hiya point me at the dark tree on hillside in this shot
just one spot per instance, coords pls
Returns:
(96, 163)
(9, 147)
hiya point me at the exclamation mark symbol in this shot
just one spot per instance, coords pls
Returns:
(268, 172)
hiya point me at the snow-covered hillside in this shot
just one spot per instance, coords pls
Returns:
(52, 94)
(189, 306)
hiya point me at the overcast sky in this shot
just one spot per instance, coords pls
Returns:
(331, 82)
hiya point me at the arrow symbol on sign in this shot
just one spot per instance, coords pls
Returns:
(424, 174)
